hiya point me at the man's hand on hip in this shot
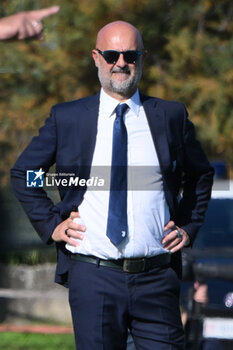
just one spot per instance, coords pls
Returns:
(68, 229)
(176, 239)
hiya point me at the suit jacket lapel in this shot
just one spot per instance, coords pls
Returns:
(88, 123)
(157, 123)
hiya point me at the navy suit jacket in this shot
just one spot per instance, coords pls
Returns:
(68, 139)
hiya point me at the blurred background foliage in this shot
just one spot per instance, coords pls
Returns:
(190, 51)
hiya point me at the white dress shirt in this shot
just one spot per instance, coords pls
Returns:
(147, 208)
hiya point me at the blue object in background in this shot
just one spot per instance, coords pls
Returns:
(220, 170)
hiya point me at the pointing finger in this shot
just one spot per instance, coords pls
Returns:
(40, 14)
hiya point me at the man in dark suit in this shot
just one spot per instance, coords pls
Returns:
(119, 250)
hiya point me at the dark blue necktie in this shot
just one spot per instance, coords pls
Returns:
(117, 210)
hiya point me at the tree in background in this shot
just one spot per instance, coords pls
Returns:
(190, 47)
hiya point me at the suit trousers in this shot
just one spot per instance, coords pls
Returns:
(106, 302)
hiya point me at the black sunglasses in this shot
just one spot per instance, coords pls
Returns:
(112, 56)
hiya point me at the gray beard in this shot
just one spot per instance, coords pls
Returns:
(124, 88)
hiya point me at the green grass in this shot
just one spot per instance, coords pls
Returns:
(31, 341)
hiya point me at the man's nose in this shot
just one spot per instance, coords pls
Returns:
(121, 62)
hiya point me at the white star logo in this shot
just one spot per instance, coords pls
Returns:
(39, 174)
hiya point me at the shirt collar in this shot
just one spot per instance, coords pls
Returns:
(108, 103)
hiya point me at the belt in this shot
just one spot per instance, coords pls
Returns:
(127, 265)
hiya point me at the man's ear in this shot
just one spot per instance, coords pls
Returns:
(95, 57)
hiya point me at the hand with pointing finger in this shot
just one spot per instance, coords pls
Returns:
(24, 25)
